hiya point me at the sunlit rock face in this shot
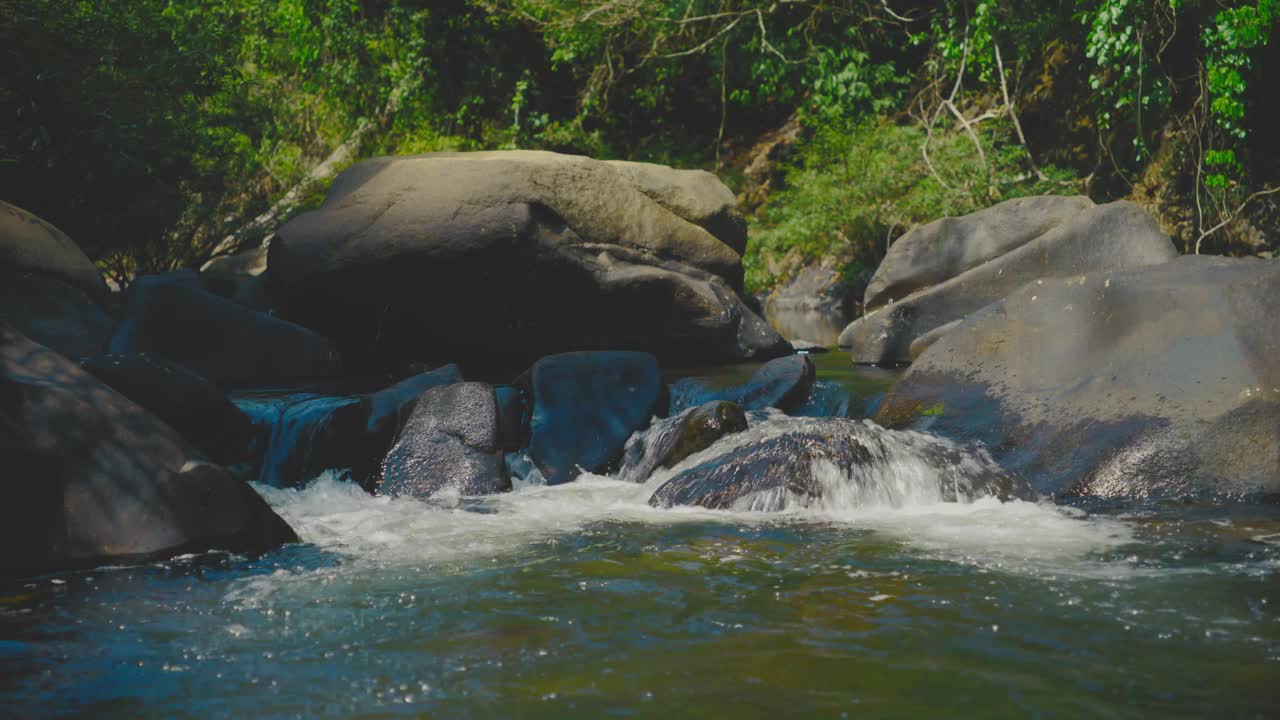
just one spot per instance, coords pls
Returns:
(1160, 382)
(1007, 246)
(502, 257)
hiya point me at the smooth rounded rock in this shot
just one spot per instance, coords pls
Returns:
(945, 248)
(586, 405)
(494, 259)
(30, 244)
(91, 478)
(193, 406)
(219, 339)
(783, 383)
(58, 315)
(1115, 236)
(1154, 383)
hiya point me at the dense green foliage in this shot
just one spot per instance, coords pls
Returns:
(152, 129)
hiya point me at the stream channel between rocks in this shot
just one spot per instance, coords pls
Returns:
(582, 599)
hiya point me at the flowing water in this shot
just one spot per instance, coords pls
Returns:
(582, 600)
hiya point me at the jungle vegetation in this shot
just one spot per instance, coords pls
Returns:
(158, 133)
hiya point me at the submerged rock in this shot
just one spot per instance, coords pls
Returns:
(219, 339)
(449, 441)
(193, 406)
(507, 256)
(1159, 382)
(91, 478)
(586, 405)
(1115, 236)
(833, 464)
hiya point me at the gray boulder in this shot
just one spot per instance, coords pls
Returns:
(449, 441)
(1115, 236)
(945, 248)
(30, 244)
(54, 313)
(91, 478)
(512, 255)
(217, 338)
(1160, 382)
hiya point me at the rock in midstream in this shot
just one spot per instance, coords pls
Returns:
(833, 464)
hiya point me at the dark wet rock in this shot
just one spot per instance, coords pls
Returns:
(91, 478)
(58, 315)
(217, 338)
(783, 383)
(943, 249)
(29, 244)
(669, 441)
(1115, 236)
(703, 426)
(586, 405)
(1159, 382)
(836, 463)
(449, 441)
(190, 404)
(318, 433)
(812, 307)
(587, 254)
(514, 411)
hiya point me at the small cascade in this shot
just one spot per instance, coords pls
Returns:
(646, 448)
(295, 443)
(832, 465)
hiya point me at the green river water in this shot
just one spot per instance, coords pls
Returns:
(582, 601)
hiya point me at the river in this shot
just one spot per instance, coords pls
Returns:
(582, 600)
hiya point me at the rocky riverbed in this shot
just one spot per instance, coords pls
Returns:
(498, 431)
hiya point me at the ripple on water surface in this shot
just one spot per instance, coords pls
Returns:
(581, 599)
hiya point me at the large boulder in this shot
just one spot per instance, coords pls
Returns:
(91, 478)
(586, 405)
(30, 244)
(1115, 236)
(190, 404)
(1159, 382)
(497, 258)
(835, 464)
(945, 248)
(694, 195)
(53, 312)
(217, 338)
(450, 441)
